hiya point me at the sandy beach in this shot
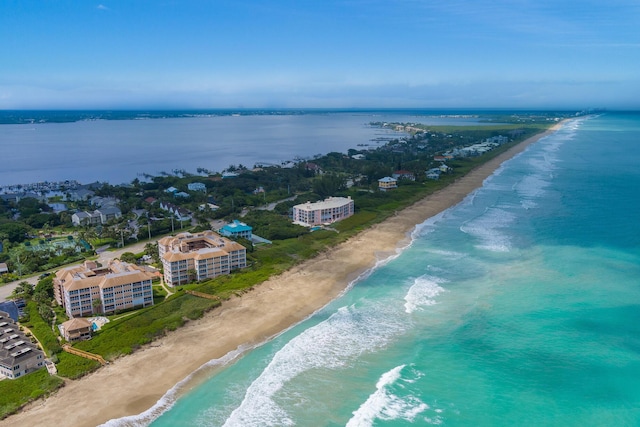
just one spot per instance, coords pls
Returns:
(133, 384)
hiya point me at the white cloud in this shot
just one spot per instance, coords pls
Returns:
(102, 7)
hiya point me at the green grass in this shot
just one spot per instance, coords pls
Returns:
(16, 393)
(123, 336)
(42, 330)
(73, 367)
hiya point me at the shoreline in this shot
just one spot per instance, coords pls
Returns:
(133, 384)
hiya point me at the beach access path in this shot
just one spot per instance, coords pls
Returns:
(133, 384)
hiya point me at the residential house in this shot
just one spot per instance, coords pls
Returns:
(327, 211)
(387, 183)
(18, 356)
(403, 174)
(57, 207)
(3, 268)
(171, 190)
(445, 169)
(85, 218)
(99, 216)
(434, 173)
(103, 202)
(187, 257)
(196, 186)
(181, 194)
(81, 194)
(179, 213)
(210, 206)
(76, 329)
(108, 213)
(313, 167)
(89, 289)
(237, 229)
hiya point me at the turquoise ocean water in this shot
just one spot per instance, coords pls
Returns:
(519, 306)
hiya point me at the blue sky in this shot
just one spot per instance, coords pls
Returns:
(319, 53)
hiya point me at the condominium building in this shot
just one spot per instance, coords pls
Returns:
(89, 289)
(187, 257)
(327, 211)
(18, 356)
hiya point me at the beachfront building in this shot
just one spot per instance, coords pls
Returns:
(89, 289)
(76, 329)
(327, 211)
(387, 183)
(187, 257)
(237, 229)
(18, 356)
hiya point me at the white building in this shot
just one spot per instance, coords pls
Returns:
(89, 289)
(327, 211)
(187, 257)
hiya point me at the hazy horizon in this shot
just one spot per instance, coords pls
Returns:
(158, 55)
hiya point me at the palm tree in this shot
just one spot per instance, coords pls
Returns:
(23, 290)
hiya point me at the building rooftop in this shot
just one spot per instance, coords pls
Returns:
(329, 203)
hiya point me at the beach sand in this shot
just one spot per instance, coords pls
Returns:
(132, 384)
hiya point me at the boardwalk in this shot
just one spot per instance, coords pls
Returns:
(84, 354)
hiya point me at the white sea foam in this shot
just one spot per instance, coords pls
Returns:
(333, 343)
(422, 293)
(385, 405)
(531, 186)
(486, 228)
(453, 255)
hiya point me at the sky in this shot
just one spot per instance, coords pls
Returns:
(194, 54)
